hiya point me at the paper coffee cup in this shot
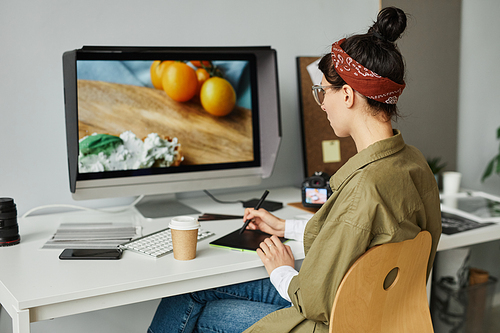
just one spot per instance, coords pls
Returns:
(184, 236)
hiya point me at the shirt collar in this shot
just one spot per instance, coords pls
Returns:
(374, 152)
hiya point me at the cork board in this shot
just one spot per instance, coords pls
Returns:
(322, 149)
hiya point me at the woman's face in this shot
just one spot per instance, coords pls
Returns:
(335, 108)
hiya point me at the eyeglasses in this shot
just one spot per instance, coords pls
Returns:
(319, 92)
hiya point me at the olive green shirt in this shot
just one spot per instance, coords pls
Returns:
(384, 194)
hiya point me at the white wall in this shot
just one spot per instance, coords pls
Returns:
(479, 107)
(33, 168)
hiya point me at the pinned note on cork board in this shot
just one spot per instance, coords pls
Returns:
(322, 149)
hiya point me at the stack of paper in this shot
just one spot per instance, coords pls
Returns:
(91, 235)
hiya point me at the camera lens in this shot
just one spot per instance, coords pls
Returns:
(9, 230)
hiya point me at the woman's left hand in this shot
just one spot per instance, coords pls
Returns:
(274, 254)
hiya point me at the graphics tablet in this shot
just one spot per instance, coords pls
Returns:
(249, 240)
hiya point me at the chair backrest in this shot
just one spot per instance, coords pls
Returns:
(363, 304)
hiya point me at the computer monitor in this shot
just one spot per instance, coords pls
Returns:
(158, 120)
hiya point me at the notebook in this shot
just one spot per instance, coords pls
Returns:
(249, 240)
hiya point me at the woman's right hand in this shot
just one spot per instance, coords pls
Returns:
(264, 221)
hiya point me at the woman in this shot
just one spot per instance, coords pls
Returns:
(385, 193)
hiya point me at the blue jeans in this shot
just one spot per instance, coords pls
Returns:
(226, 309)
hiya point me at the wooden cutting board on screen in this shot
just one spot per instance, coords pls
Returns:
(113, 108)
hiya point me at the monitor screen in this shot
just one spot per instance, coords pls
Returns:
(128, 126)
(173, 118)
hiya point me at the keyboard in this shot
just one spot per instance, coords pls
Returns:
(157, 244)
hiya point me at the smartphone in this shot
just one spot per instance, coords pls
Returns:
(91, 254)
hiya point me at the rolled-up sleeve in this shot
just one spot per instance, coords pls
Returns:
(334, 250)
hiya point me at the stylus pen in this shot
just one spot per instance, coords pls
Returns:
(245, 225)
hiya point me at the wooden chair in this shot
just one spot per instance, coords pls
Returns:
(363, 304)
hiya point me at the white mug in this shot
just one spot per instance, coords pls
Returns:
(451, 182)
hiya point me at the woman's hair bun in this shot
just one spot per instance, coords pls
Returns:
(391, 23)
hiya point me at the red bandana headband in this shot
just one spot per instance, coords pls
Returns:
(363, 80)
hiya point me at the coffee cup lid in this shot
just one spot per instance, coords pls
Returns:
(184, 223)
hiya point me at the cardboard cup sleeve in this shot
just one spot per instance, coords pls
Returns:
(184, 243)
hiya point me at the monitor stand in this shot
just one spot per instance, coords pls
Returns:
(158, 206)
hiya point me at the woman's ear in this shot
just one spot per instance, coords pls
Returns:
(348, 94)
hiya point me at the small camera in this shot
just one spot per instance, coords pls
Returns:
(316, 190)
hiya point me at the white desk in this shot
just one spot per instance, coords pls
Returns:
(471, 237)
(35, 285)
